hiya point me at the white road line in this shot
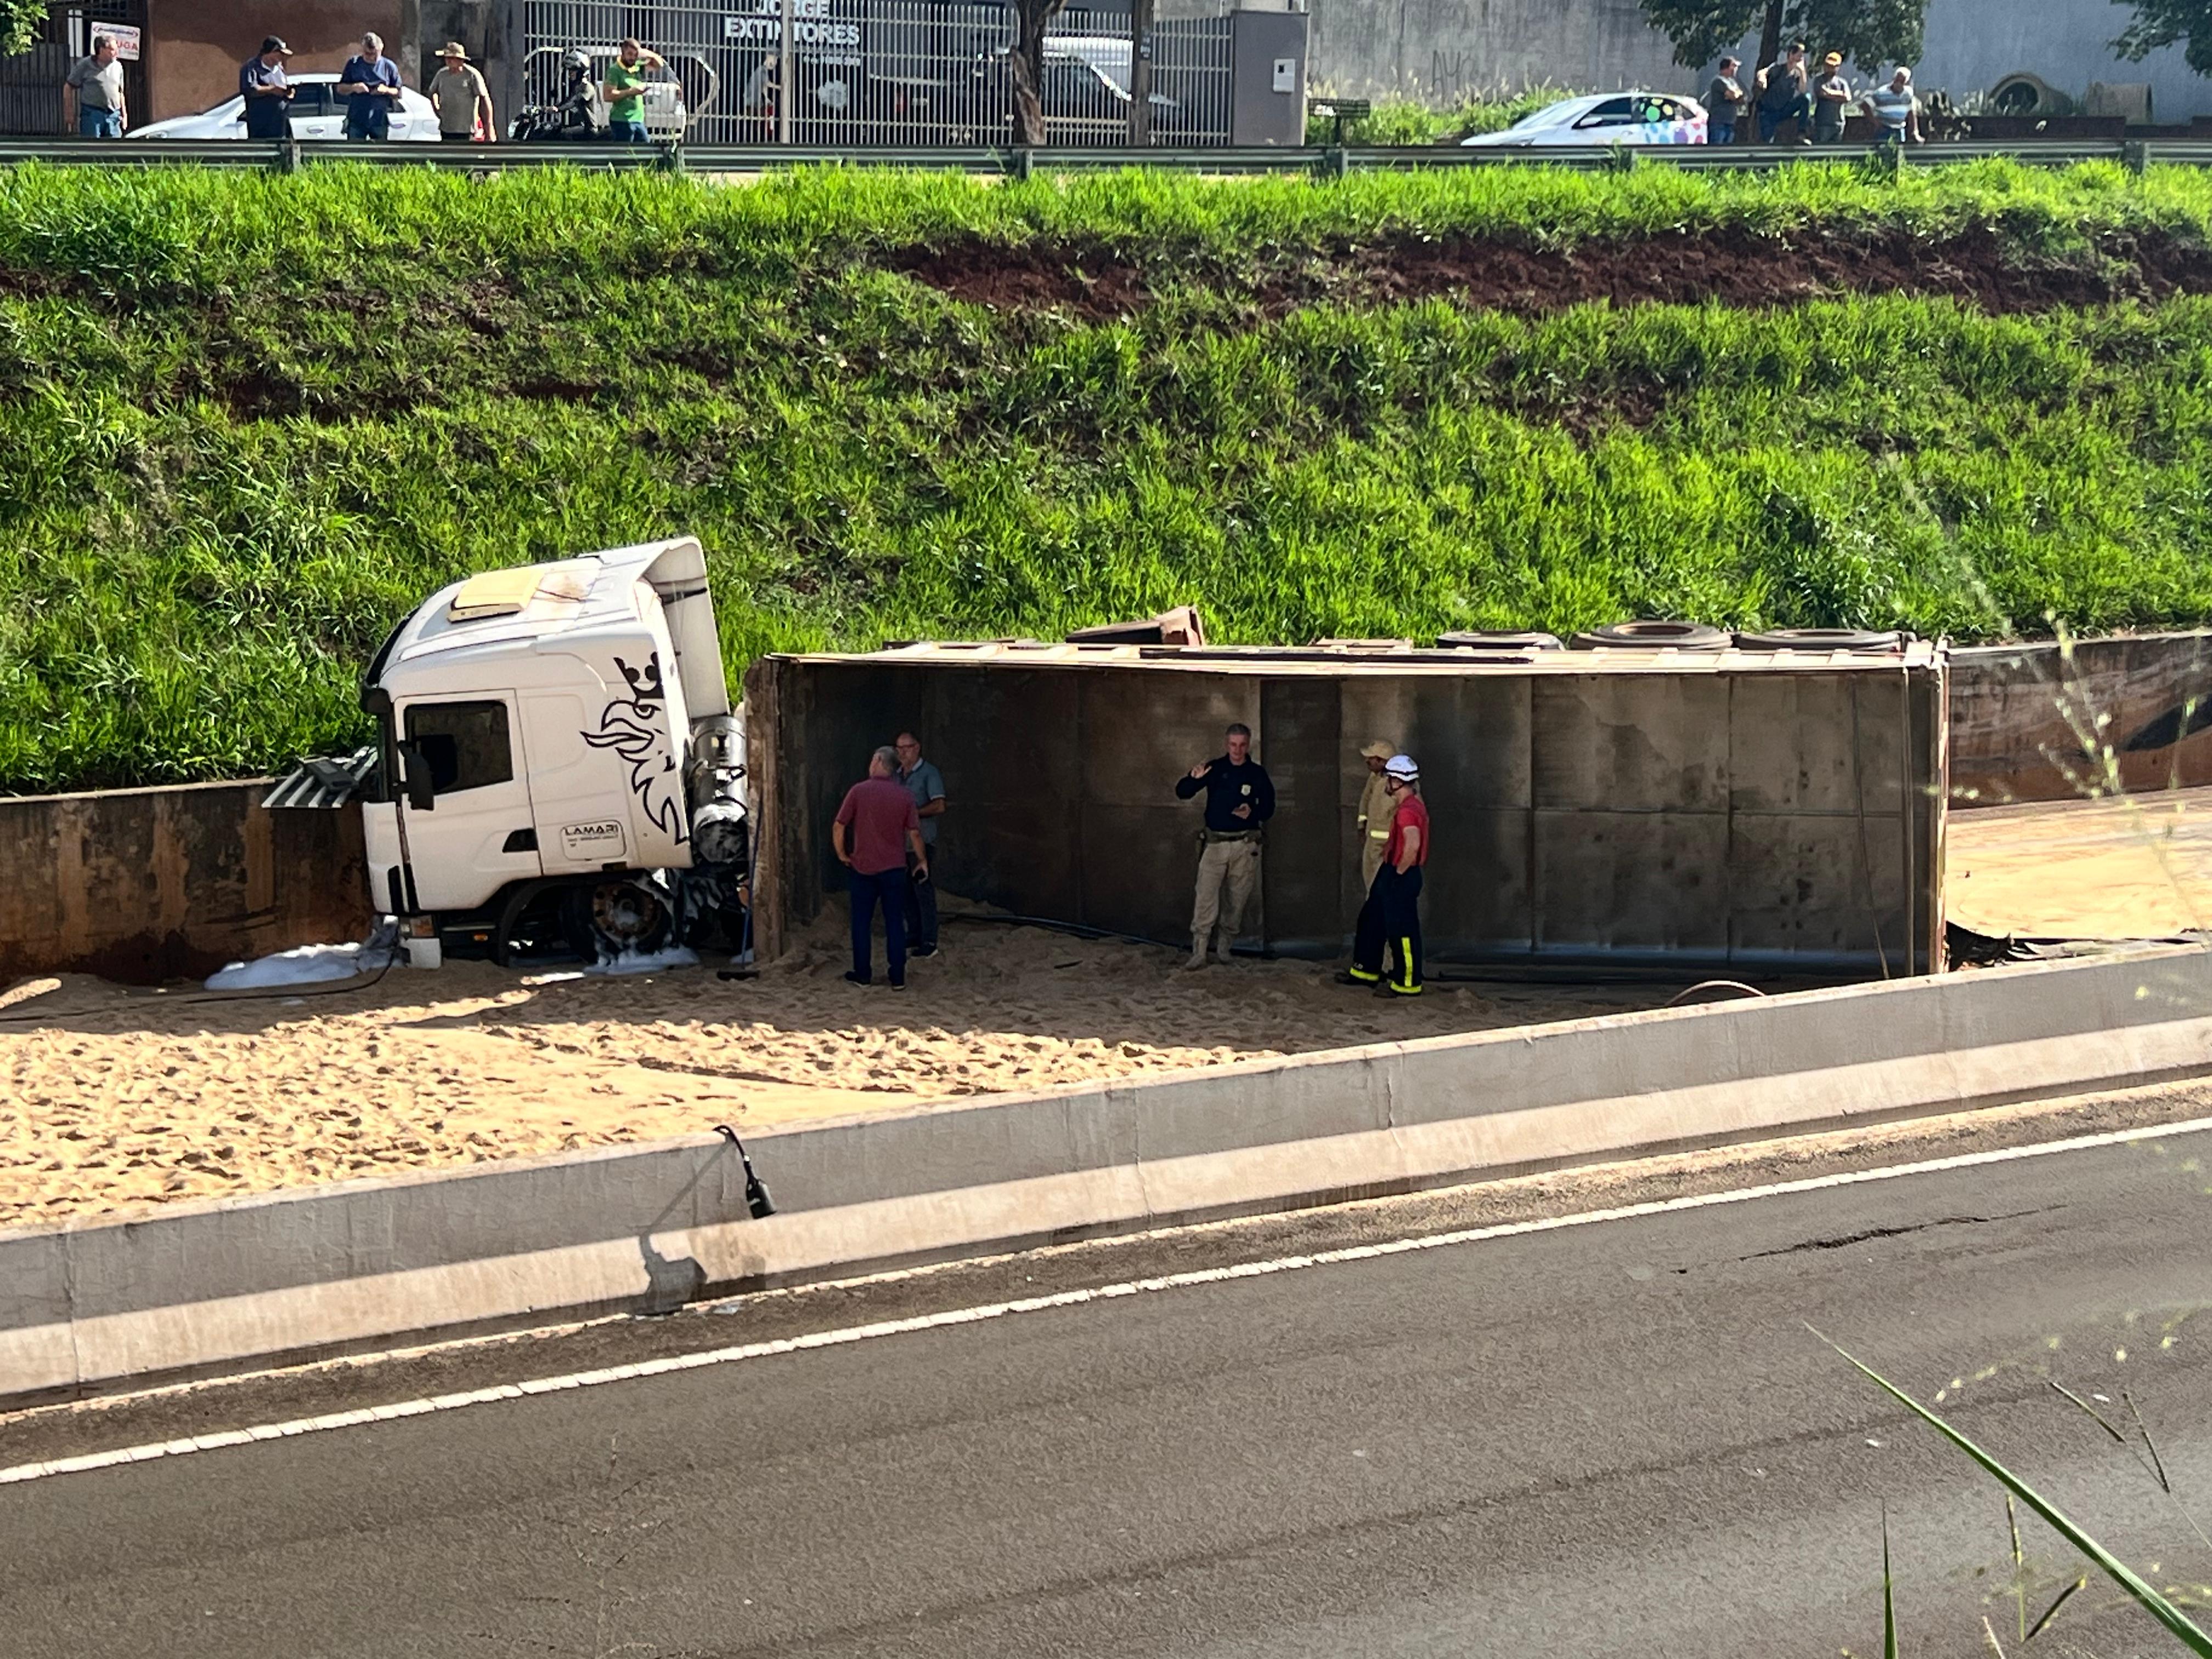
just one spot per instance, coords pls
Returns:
(851, 1334)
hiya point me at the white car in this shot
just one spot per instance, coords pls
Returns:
(1605, 118)
(318, 112)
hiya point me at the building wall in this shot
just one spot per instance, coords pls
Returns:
(1443, 50)
(194, 47)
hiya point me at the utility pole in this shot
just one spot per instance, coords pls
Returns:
(787, 74)
(1140, 73)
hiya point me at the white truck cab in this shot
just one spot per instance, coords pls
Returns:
(555, 758)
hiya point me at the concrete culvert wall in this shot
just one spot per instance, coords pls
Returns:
(1771, 812)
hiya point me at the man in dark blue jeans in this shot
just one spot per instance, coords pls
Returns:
(875, 828)
(370, 82)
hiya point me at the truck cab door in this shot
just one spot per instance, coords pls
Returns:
(478, 834)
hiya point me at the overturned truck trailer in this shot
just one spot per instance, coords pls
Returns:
(1768, 811)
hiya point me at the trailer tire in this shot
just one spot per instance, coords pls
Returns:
(1651, 633)
(1821, 639)
(616, 914)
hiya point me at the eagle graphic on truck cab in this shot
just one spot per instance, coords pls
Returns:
(634, 727)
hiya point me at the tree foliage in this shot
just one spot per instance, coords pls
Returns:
(19, 24)
(1868, 33)
(2187, 23)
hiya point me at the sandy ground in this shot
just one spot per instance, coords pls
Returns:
(111, 1099)
(2134, 867)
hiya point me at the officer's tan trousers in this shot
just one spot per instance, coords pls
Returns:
(1227, 873)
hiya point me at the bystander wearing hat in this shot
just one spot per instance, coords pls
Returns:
(1391, 918)
(463, 100)
(1832, 100)
(267, 95)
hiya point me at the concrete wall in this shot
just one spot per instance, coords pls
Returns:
(643, 1229)
(1441, 50)
(2033, 722)
(194, 47)
(1700, 817)
(145, 884)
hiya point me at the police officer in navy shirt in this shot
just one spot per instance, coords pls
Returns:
(267, 95)
(1240, 796)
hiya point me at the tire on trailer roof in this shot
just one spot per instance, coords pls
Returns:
(1649, 634)
(1496, 640)
(1822, 639)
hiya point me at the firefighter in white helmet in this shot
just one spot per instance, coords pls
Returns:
(1391, 917)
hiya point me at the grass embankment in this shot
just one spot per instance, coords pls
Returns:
(247, 422)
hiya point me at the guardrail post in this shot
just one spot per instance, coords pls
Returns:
(1887, 158)
(1335, 162)
(2134, 155)
(1622, 160)
(288, 155)
(671, 158)
(1025, 162)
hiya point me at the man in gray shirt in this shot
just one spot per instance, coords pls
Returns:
(1723, 103)
(97, 82)
(926, 785)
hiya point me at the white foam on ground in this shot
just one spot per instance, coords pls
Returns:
(304, 964)
(635, 962)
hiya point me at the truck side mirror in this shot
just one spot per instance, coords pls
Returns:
(415, 768)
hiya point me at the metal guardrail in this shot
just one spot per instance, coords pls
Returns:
(289, 155)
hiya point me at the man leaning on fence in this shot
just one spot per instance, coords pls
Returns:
(96, 82)
(1896, 111)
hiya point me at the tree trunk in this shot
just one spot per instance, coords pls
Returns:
(1032, 16)
(1770, 36)
(1140, 74)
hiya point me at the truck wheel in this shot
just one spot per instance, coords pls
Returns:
(616, 917)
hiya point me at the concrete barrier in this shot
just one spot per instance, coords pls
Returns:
(147, 885)
(287, 1276)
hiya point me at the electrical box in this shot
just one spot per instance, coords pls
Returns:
(1267, 80)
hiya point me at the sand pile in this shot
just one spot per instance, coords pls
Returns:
(112, 1098)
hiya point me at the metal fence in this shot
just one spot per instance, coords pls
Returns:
(882, 72)
(1020, 161)
(31, 82)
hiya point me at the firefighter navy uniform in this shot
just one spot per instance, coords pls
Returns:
(1391, 916)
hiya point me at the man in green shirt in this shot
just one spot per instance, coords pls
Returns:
(624, 92)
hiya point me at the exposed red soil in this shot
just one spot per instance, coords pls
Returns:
(1737, 266)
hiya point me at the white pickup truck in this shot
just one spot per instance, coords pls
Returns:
(556, 764)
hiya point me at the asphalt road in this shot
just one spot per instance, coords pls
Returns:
(1613, 1438)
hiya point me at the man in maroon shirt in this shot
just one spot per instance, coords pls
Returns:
(873, 829)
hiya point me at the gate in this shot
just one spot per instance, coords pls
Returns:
(31, 100)
(891, 72)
